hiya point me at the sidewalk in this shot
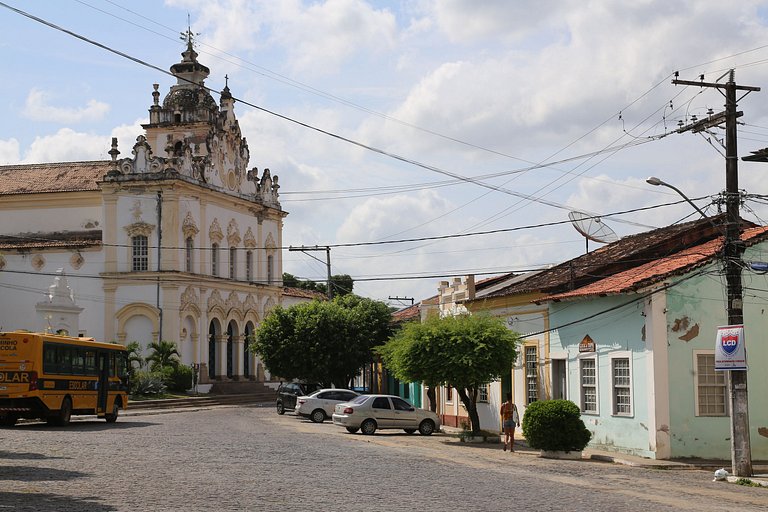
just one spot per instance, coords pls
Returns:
(760, 468)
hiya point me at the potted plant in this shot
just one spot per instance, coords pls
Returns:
(555, 427)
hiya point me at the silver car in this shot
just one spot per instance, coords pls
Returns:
(320, 405)
(368, 413)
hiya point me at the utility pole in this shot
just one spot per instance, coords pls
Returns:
(733, 248)
(327, 250)
(402, 299)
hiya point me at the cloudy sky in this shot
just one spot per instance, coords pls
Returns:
(483, 123)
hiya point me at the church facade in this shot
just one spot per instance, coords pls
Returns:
(179, 241)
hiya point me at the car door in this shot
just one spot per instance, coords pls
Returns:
(381, 410)
(404, 413)
(289, 398)
(327, 401)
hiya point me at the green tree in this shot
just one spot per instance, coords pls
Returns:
(134, 355)
(322, 341)
(464, 352)
(163, 354)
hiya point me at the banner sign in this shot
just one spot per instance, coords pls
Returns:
(730, 353)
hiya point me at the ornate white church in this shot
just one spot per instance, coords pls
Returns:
(179, 241)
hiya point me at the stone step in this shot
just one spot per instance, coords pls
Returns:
(202, 401)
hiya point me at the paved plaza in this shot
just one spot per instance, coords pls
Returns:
(249, 458)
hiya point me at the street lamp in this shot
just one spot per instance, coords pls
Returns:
(653, 180)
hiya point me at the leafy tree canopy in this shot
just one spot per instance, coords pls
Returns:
(464, 352)
(342, 284)
(322, 341)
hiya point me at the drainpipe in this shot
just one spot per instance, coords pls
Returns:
(159, 253)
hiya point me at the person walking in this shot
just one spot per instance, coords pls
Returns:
(509, 420)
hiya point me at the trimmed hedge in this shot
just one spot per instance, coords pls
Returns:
(555, 425)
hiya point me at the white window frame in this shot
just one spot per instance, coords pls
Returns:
(593, 358)
(139, 253)
(233, 262)
(614, 356)
(249, 266)
(696, 403)
(189, 250)
(482, 393)
(271, 268)
(215, 259)
(526, 375)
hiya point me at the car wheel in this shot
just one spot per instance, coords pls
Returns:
(426, 427)
(352, 430)
(280, 408)
(409, 430)
(368, 427)
(318, 416)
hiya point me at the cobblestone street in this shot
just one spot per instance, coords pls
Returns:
(249, 458)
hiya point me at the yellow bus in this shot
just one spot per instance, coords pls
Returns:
(52, 377)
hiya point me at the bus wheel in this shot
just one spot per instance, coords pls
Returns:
(65, 413)
(8, 421)
(112, 417)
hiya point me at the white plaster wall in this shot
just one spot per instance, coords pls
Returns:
(23, 286)
(139, 328)
(45, 219)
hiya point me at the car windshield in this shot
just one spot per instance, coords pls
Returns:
(359, 399)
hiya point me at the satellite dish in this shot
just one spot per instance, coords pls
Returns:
(592, 228)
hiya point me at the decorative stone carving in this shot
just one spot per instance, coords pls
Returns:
(189, 227)
(214, 232)
(249, 240)
(140, 228)
(38, 262)
(233, 233)
(2, 263)
(269, 305)
(215, 300)
(76, 261)
(189, 298)
(270, 243)
(143, 160)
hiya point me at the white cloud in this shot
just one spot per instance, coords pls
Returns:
(9, 151)
(67, 145)
(37, 108)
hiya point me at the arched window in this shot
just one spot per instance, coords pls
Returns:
(214, 259)
(189, 247)
(270, 269)
(140, 253)
(233, 262)
(249, 266)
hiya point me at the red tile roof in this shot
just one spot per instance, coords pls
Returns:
(627, 253)
(52, 177)
(406, 314)
(302, 293)
(68, 239)
(658, 270)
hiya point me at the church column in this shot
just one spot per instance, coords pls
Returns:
(221, 356)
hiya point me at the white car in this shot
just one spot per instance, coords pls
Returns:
(320, 405)
(368, 413)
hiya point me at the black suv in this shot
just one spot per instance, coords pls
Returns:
(288, 391)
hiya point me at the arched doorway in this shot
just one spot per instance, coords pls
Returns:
(213, 333)
(246, 350)
(231, 333)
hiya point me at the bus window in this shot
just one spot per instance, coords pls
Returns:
(78, 362)
(90, 362)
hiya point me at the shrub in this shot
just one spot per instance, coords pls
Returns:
(177, 378)
(555, 425)
(147, 383)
